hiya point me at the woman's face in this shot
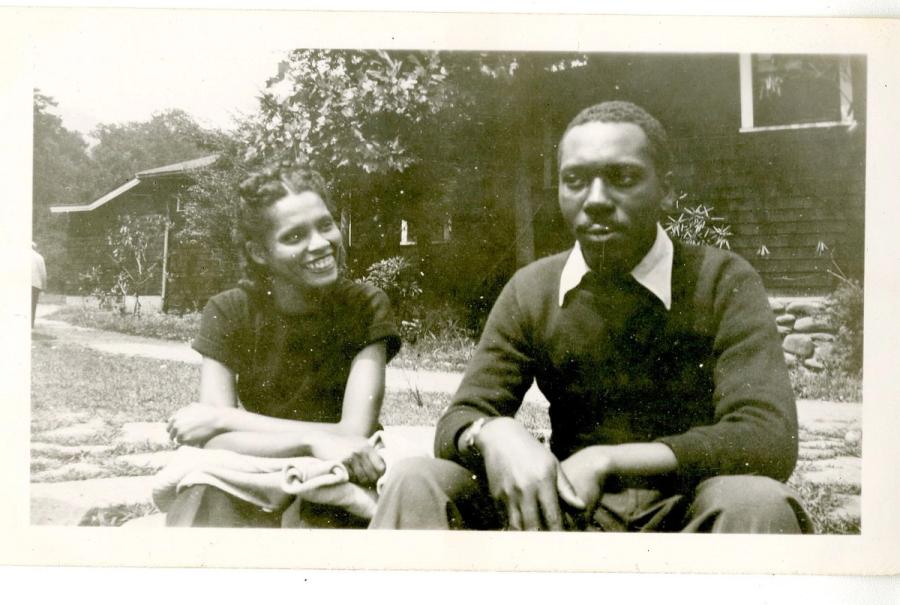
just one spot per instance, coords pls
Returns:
(303, 247)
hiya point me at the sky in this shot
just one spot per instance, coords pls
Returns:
(121, 74)
(152, 60)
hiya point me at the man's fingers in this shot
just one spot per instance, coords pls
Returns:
(513, 516)
(549, 503)
(531, 517)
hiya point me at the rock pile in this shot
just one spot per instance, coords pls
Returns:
(806, 334)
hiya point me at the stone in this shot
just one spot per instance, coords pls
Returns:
(814, 454)
(813, 364)
(74, 470)
(777, 305)
(53, 449)
(822, 337)
(54, 511)
(844, 470)
(785, 320)
(785, 330)
(790, 360)
(138, 433)
(150, 461)
(800, 345)
(82, 432)
(823, 350)
(96, 493)
(805, 308)
(811, 324)
(848, 508)
(853, 436)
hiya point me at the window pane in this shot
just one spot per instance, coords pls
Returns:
(795, 89)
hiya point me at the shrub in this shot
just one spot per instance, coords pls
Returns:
(696, 224)
(396, 276)
(844, 309)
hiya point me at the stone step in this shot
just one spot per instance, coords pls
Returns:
(60, 503)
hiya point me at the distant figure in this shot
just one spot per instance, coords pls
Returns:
(38, 278)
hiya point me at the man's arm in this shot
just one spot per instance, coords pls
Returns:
(755, 423)
(755, 417)
(522, 474)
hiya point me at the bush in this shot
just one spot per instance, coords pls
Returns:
(844, 309)
(397, 277)
(696, 224)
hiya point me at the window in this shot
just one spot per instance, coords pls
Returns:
(438, 233)
(406, 238)
(795, 91)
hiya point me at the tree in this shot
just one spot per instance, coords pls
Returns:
(61, 173)
(168, 137)
(208, 258)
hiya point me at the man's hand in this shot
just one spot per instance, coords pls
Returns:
(196, 423)
(363, 463)
(587, 471)
(523, 476)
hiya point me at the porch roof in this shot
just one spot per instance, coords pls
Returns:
(162, 171)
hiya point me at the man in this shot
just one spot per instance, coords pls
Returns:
(38, 278)
(670, 403)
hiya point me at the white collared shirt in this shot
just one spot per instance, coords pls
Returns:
(654, 272)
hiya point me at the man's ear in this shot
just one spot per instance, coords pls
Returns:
(667, 202)
(257, 252)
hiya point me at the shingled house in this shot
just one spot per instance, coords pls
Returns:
(774, 143)
(151, 192)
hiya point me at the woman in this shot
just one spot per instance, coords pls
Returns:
(294, 359)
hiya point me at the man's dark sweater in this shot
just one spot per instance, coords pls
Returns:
(706, 378)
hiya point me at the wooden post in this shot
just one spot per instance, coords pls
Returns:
(524, 213)
(165, 261)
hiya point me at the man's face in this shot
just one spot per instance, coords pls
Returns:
(610, 194)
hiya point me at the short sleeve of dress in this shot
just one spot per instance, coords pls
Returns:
(382, 325)
(220, 327)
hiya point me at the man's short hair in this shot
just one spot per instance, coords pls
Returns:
(627, 113)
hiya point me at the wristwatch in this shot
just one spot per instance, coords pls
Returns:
(471, 433)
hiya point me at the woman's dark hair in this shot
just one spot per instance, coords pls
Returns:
(261, 189)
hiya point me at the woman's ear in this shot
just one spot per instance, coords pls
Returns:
(257, 252)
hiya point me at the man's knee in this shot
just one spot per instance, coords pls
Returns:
(426, 493)
(747, 504)
(418, 475)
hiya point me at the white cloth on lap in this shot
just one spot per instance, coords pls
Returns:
(271, 483)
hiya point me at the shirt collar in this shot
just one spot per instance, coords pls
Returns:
(654, 272)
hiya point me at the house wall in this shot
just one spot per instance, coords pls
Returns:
(788, 190)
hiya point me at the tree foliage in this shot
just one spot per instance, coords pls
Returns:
(168, 137)
(61, 173)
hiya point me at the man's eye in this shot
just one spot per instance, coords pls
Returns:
(326, 225)
(625, 178)
(573, 181)
(292, 238)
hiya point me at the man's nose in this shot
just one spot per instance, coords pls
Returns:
(597, 194)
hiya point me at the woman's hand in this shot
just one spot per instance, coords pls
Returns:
(196, 423)
(587, 471)
(361, 459)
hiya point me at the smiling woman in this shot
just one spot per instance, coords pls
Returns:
(294, 359)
